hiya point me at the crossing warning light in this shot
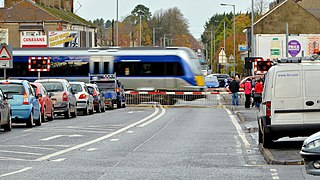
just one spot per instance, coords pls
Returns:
(39, 64)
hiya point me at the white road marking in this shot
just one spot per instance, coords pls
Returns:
(17, 152)
(96, 140)
(12, 159)
(130, 132)
(59, 160)
(113, 140)
(155, 118)
(130, 112)
(91, 149)
(274, 174)
(239, 129)
(58, 136)
(16, 172)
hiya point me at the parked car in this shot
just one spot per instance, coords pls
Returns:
(112, 90)
(211, 81)
(310, 152)
(47, 110)
(98, 98)
(5, 110)
(84, 98)
(24, 104)
(221, 79)
(64, 100)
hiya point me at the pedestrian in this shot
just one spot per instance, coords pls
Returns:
(258, 88)
(247, 92)
(234, 88)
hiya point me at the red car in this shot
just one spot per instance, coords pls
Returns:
(47, 110)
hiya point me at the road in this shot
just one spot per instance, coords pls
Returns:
(139, 143)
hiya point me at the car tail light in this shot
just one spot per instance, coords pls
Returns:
(82, 96)
(65, 96)
(94, 93)
(268, 108)
(118, 90)
(25, 99)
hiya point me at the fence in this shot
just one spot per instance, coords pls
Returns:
(206, 99)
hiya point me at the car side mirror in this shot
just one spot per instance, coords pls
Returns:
(8, 96)
(39, 96)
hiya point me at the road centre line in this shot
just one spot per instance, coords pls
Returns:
(239, 129)
(155, 118)
(16, 172)
(98, 139)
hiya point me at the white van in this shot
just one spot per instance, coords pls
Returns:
(290, 101)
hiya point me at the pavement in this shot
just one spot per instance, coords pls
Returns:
(287, 149)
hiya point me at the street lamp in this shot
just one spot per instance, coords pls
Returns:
(117, 27)
(140, 31)
(252, 30)
(210, 48)
(234, 34)
(164, 39)
(154, 35)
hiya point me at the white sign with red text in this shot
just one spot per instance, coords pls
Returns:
(34, 41)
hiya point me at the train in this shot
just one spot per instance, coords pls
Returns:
(139, 68)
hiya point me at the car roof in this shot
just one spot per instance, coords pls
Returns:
(14, 81)
(51, 80)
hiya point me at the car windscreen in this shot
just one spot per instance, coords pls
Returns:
(211, 79)
(12, 88)
(53, 86)
(91, 89)
(76, 87)
(105, 85)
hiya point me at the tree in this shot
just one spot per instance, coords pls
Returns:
(260, 7)
(140, 10)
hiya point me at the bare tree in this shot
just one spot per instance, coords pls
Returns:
(261, 6)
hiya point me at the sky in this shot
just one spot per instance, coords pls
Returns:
(197, 12)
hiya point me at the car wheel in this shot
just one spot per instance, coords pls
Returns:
(75, 112)
(38, 121)
(29, 122)
(98, 110)
(52, 115)
(103, 108)
(91, 111)
(111, 106)
(86, 111)
(8, 126)
(67, 114)
(44, 115)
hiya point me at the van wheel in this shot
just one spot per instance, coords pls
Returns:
(29, 122)
(266, 136)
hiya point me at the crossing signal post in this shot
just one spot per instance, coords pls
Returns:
(39, 64)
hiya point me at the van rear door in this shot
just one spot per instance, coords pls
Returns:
(287, 101)
(312, 94)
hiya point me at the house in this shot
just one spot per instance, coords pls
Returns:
(44, 23)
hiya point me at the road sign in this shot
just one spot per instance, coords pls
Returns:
(231, 58)
(6, 57)
(222, 57)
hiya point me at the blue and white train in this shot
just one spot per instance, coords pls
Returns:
(143, 68)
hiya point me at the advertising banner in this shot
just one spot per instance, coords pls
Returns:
(34, 41)
(274, 45)
(64, 39)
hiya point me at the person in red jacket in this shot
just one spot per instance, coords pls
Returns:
(247, 92)
(258, 88)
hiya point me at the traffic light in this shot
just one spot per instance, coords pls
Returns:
(248, 62)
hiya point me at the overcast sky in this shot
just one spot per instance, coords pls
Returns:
(197, 12)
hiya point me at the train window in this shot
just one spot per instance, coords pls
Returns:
(96, 68)
(148, 69)
(106, 68)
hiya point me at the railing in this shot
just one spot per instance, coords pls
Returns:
(204, 99)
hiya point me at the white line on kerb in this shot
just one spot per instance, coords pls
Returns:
(96, 140)
(238, 127)
(16, 172)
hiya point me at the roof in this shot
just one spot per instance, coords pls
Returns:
(315, 12)
(39, 13)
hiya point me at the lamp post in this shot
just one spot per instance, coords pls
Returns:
(164, 39)
(234, 34)
(210, 48)
(140, 41)
(154, 35)
(117, 27)
(252, 30)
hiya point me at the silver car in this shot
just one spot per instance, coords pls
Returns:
(84, 97)
(310, 152)
(5, 110)
(64, 100)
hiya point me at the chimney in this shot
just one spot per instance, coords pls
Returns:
(9, 3)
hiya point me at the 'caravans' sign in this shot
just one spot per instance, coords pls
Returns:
(34, 42)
